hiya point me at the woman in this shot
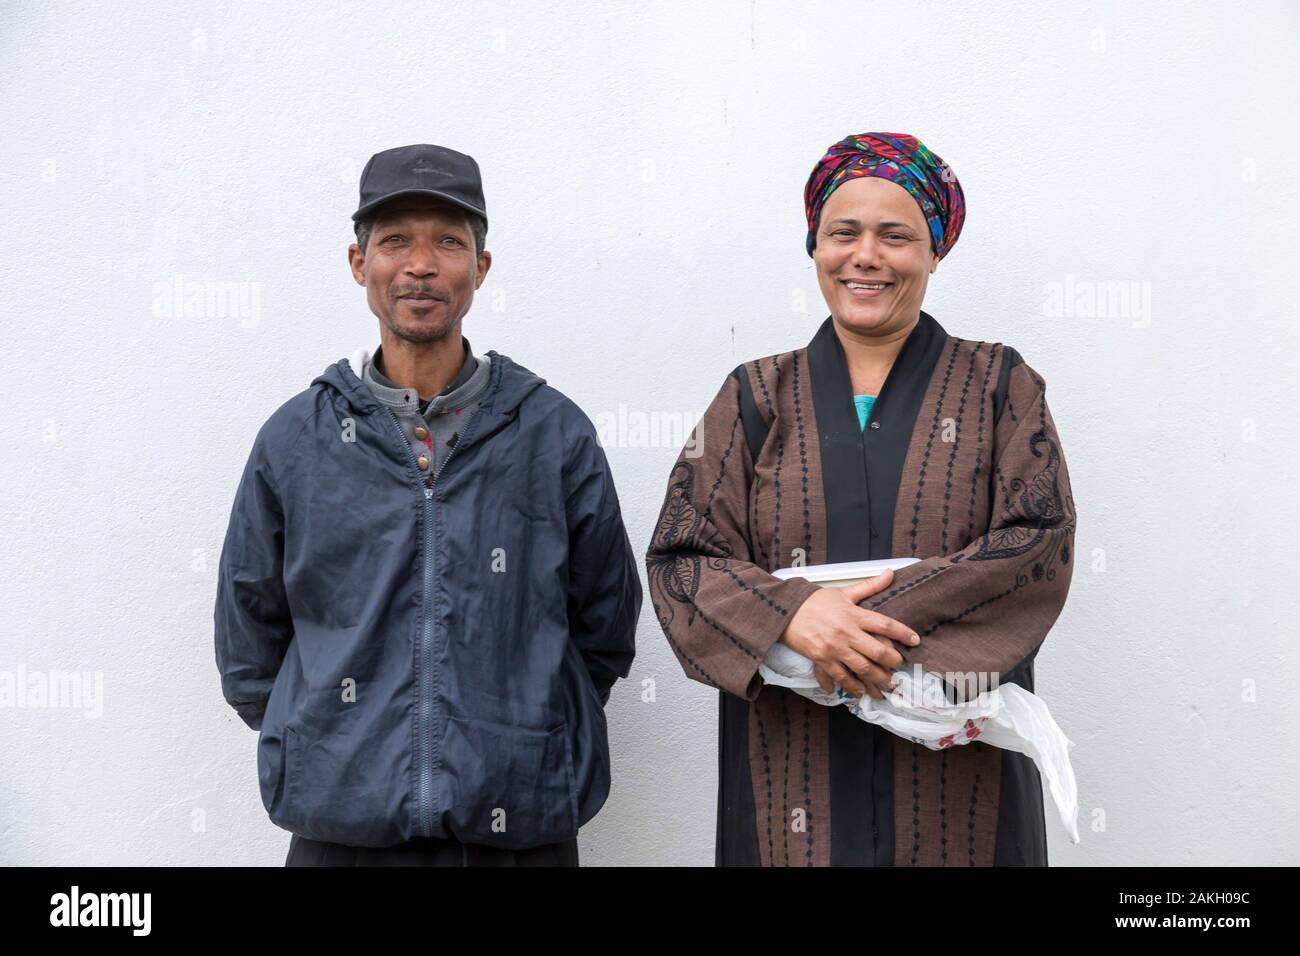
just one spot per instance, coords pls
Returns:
(884, 437)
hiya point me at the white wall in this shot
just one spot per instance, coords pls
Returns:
(644, 169)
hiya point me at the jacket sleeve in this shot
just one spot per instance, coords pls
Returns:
(720, 612)
(604, 592)
(253, 623)
(988, 607)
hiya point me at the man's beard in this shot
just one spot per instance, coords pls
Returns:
(421, 334)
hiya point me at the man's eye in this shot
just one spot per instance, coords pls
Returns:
(392, 237)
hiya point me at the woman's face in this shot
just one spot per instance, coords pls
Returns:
(872, 231)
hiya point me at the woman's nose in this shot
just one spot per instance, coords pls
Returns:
(866, 252)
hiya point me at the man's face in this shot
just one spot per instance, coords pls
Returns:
(872, 231)
(420, 269)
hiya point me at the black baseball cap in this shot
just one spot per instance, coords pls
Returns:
(425, 170)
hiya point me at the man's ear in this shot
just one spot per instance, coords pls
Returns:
(484, 264)
(357, 264)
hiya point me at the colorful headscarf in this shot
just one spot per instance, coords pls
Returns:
(901, 159)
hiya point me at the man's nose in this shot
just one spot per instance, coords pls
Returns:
(421, 260)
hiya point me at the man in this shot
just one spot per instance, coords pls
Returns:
(426, 590)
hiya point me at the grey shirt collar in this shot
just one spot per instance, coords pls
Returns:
(468, 383)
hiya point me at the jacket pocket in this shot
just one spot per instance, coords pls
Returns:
(589, 737)
(271, 759)
(338, 788)
(510, 787)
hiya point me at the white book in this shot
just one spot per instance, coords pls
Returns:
(845, 573)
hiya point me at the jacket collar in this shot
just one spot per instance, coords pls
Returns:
(912, 365)
(467, 385)
(509, 384)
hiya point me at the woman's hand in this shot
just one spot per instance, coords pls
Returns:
(849, 645)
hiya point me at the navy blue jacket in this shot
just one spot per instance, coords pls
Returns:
(427, 661)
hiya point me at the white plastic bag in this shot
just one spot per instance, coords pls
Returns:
(1006, 716)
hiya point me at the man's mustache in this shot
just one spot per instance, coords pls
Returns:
(431, 293)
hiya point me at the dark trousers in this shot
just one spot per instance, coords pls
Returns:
(427, 851)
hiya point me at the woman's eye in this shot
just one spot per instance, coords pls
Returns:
(841, 232)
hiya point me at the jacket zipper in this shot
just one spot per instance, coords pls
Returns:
(426, 641)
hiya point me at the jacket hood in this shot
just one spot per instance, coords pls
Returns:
(508, 385)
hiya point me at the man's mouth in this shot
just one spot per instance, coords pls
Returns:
(421, 297)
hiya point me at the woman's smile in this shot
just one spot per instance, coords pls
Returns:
(866, 290)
